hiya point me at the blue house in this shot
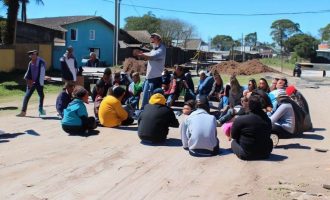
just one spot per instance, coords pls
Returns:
(84, 33)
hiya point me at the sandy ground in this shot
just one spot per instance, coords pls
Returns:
(39, 161)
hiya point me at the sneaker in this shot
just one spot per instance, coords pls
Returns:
(42, 112)
(21, 114)
(275, 139)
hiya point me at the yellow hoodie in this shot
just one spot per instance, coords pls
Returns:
(111, 112)
(157, 99)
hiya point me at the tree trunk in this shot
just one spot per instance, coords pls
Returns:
(12, 11)
(23, 13)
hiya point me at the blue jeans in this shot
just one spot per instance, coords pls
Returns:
(28, 94)
(148, 87)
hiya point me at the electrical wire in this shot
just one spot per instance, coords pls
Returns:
(226, 14)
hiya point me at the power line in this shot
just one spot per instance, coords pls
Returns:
(225, 14)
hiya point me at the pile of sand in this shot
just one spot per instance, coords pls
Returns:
(246, 68)
(131, 65)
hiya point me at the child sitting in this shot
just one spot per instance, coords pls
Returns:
(64, 98)
(135, 89)
(75, 118)
(99, 87)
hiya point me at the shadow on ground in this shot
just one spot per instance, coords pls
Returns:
(312, 136)
(292, 146)
(9, 108)
(87, 134)
(170, 142)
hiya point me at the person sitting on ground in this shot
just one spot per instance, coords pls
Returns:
(205, 84)
(135, 88)
(274, 83)
(93, 61)
(252, 85)
(99, 98)
(107, 82)
(64, 98)
(226, 127)
(224, 99)
(299, 98)
(200, 140)
(251, 133)
(235, 95)
(75, 118)
(155, 120)
(263, 85)
(188, 107)
(177, 85)
(287, 120)
(111, 111)
(281, 85)
(217, 89)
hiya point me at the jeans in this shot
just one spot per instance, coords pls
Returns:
(28, 94)
(148, 87)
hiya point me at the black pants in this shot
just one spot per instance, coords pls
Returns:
(152, 139)
(87, 124)
(127, 121)
(240, 153)
(281, 132)
(204, 152)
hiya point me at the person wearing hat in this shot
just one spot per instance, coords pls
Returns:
(299, 98)
(34, 76)
(156, 63)
(69, 65)
(199, 131)
(287, 120)
(75, 119)
(64, 98)
(155, 120)
(251, 132)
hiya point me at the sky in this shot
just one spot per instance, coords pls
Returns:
(207, 26)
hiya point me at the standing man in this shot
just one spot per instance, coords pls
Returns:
(34, 76)
(69, 65)
(156, 61)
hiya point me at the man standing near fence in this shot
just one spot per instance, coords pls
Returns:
(34, 76)
(156, 63)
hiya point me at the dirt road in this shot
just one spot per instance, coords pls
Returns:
(39, 161)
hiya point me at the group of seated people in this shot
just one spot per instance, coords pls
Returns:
(247, 115)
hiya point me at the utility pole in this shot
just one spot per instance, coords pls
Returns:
(116, 32)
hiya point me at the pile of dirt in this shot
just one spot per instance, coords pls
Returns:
(246, 68)
(131, 65)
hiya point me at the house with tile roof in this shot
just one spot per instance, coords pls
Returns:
(84, 33)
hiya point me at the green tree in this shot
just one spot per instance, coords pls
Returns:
(12, 12)
(147, 22)
(303, 45)
(325, 33)
(224, 42)
(23, 9)
(282, 29)
(251, 39)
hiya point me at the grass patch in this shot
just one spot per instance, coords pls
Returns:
(277, 62)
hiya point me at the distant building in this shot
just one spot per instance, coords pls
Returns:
(84, 33)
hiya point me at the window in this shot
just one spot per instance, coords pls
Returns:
(91, 34)
(74, 34)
